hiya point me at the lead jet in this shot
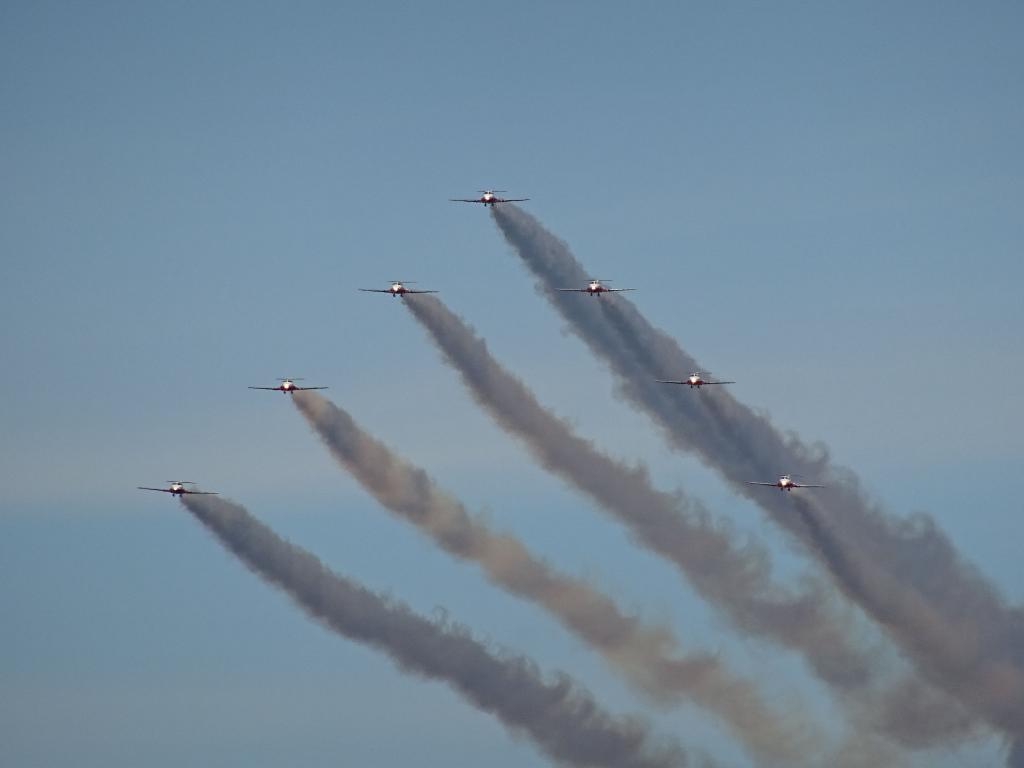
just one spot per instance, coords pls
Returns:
(178, 489)
(596, 288)
(287, 385)
(488, 198)
(786, 483)
(397, 289)
(694, 380)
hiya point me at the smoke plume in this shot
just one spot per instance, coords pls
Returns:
(649, 656)
(561, 717)
(734, 578)
(905, 573)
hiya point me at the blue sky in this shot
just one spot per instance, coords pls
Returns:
(821, 201)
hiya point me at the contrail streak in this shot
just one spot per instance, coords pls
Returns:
(561, 717)
(647, 655)
(904, 573)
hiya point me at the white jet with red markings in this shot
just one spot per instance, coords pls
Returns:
(287, 385)
(693, 380)
(488, 198)
(596, 287)
(178, 489)
(786, 483)
(397, 288)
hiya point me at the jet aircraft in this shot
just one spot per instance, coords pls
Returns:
(786, 483)
(595, 288)
(694, 380)
(178, 489)
(397, 289)
(287, 385)
(488, 197)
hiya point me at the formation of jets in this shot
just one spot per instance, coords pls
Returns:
(287, 385)
(596, 287)
(397, 288)
(177, 488)
(693, 380)
(489, 198)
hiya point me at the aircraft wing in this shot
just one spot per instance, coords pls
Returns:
(807, 485)
(200, 493)
(751, 482)
(668, 381)
(719, 382)
(574, 290)
(612, 290)
(464, 200)
(303, 389)
(270, 389)
(410, 290)
(512, 200)
(144, 488)
(376, 290)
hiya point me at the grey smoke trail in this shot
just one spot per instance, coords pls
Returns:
(647, 655)
(905, 573)
(736, 579)
(561, 717)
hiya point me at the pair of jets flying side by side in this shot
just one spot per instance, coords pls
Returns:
(784, 483)
(177, 487)
(288, 385)
(398, 288)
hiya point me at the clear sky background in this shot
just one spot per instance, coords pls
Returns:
(819, 200)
